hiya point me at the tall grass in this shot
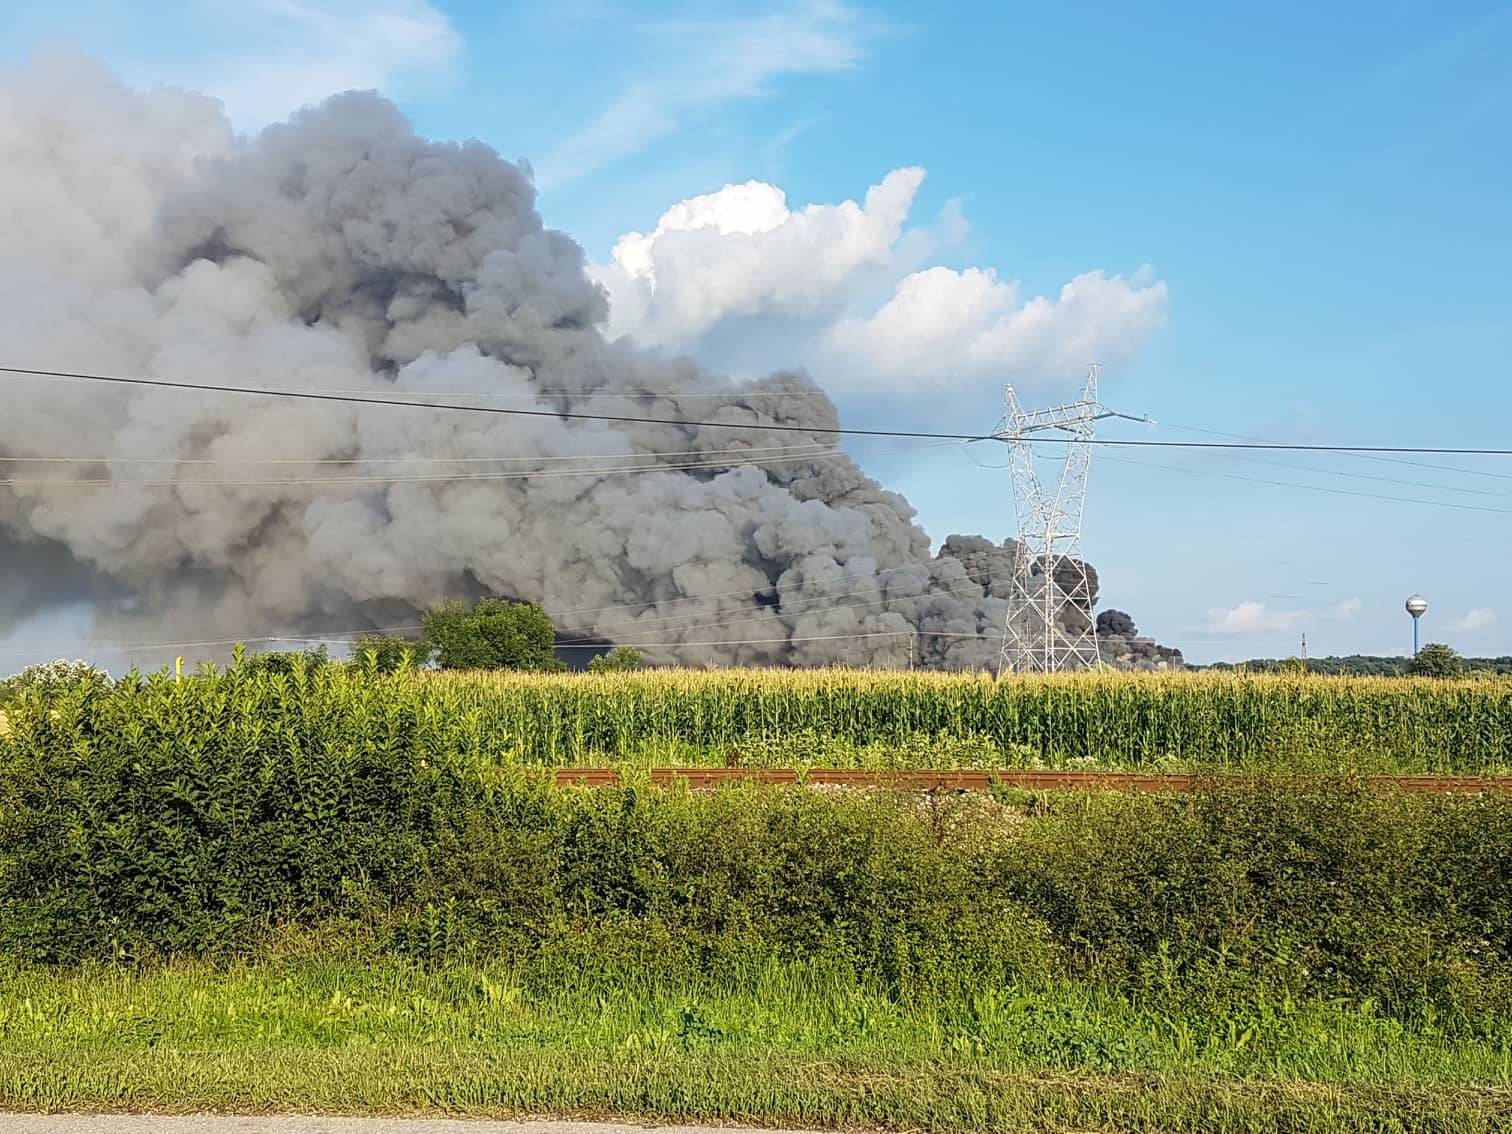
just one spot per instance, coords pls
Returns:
(780, 1043)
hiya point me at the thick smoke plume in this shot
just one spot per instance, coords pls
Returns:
(340, 252)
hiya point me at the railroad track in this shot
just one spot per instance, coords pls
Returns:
(974, 780)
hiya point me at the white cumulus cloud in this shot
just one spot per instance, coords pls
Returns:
(835, 287)
(1347, 609)
(1253, 618)
(1476, 619)
(973, 325)
(742, 251)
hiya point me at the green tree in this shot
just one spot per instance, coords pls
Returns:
(1436, 660)
(52, 677)
(618, 660)
(494, 634)
(389, 651)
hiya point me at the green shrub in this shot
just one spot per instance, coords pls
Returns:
(388, 653)
(192, 816)
(1285, 888)
(285, 662)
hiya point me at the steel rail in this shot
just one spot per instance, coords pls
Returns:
(983, 780)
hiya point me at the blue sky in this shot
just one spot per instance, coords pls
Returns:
(1321, 195)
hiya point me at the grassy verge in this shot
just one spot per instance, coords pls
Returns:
(786, 1043)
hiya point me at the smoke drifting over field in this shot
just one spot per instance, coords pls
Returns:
(340, 252)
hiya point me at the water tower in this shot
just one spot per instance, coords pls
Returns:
(1416, 606)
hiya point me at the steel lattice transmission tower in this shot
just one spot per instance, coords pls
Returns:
(1050, 625)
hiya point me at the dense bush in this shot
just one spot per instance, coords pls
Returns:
(1284, 888)
(621, 659)
(388, 652)
(283, 661)
(198, 817)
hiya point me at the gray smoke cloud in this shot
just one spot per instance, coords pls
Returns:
(341, 252)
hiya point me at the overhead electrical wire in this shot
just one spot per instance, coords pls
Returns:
(571, 646)
(1312, 487)
(508, 411)
(784, 641)
(126, 647)
(1432, 487)
(1361, 455)
(334, 635)
(819, 453)
(734, 393)
(817, 446)
(812, 603)
(316, 395)
(1380, 479)
(430, 478)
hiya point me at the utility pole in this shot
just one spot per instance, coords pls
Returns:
(1050, 625)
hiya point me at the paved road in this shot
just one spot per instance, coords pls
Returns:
(219, 1124)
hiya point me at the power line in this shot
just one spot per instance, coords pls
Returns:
(333, 635)
(943, 586)
(801, 638)
(817, 446)
(810, 604)
(1361, 455)
(186, 482)
(313, 395)
(876, 573)
(1380, 479)
(1313, 487)
(818, 453)
(563, 392)
(128, 647)
(564, 645)
(643, 625)
(146, 647)
(748, 591)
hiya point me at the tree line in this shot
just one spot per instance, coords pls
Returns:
(1433, 660)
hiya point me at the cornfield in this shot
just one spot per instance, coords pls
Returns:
(830, 718)
(847, 717)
